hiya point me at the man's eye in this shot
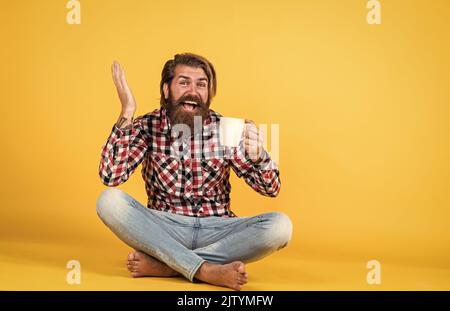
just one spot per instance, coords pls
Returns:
(202, 84)
(183, 83)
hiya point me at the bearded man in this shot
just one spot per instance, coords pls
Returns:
(187, 227)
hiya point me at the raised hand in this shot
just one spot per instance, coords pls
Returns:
(252, 141)
(125, 95)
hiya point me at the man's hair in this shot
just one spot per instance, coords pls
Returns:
(192, 60)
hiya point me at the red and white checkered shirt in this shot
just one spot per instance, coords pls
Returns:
(194, 183)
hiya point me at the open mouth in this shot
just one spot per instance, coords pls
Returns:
(189, 105)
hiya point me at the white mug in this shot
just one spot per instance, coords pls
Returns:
(230, 131)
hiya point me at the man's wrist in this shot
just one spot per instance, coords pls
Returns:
(125, 120)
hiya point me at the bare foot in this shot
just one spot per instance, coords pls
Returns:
(140, 264)
(230, 275)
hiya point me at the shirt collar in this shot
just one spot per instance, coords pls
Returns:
(164, 121)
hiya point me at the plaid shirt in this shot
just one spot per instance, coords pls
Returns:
(194, 183)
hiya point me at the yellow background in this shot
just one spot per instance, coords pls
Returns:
(364, 133)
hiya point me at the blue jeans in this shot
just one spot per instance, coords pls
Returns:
(184, 243)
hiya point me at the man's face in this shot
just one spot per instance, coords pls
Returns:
(187, 95)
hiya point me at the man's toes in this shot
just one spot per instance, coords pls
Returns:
(133, 267)
(242, 280)
(131, 256)
(132, 264)
(241, 268)
(238, 266)
(244, 275)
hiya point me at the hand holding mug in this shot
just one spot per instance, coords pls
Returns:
(253, 141)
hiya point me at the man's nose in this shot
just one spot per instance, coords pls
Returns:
(192, 92)
(193, 89)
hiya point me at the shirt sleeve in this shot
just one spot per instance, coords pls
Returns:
(122, 153)
(263, 177)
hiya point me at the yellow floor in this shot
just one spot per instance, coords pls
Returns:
(42, 266)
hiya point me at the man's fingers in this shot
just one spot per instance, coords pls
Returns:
(253, 149)
(118, 75)
(120, 70)
(116, 66)
(249, 123)
(252, 133)
(123, 80)
(114, 70)
(121, 77)
(251, 127)
(252, 146)
(253, 141)
(249, 130)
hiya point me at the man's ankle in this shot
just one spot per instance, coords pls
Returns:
(204, 269)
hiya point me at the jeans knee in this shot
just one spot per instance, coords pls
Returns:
(279, 231)
(108, 202)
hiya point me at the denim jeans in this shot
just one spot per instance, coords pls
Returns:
(184, 243)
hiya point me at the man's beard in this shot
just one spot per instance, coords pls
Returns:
(179, 115)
